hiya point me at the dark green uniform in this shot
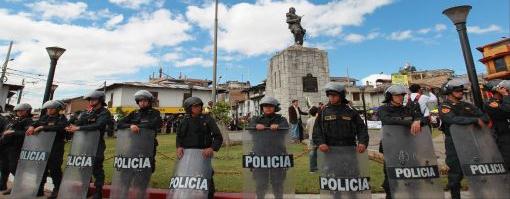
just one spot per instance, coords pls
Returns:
(55, 124)
(96, 119)
(461, 113)
(404, 116)
(339, 125)
(3, 180)
(12, 145)
(499, 112)
(199, 132)
(147, 118)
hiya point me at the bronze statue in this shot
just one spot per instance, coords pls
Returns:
(295, 27)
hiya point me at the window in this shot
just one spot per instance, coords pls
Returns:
(500, 64)
(356, 96)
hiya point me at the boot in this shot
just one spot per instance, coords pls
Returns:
(455, 193)
(8, 192)
(98, 194)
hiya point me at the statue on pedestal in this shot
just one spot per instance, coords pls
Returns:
(295, 27)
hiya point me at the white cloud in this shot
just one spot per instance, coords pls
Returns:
(479, 30)
(357, 38)
(194, 61)
(174, 56)
(439, 27)
(401, 35)
(133, 4)
(65, 10)
(258, 28)
(424, 30)
(114, 21)
(93, 54)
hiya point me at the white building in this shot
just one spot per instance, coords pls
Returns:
(6, 93)
(169, 97)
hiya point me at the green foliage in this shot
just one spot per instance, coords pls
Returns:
(221, 113)
(120, 114)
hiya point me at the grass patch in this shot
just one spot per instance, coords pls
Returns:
(227, 165)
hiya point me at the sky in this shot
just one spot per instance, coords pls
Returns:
(129, 40)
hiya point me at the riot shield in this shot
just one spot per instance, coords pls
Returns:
(79, 165)
(132, 163)
(32, 163)
(481, 161)
(411, 164)
(192, 176)
(267, 164)
(344, 173)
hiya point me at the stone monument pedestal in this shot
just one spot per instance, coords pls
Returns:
(298, 73)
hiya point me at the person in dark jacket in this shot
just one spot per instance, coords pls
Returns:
(394, 112)
(3, 125)
(269, 119)
(498, 109)
(338, 124)
(55, 122)
(13, 138)
(145, 117)
(296, 124)
(456, 111)
(198, 131)
(95, 118)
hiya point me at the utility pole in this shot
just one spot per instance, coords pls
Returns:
(4, 68)
(215, 63)
(20, 93)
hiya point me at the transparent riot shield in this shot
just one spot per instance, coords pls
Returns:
(481, 161)
(411, 164)
(344, 173)
(79, 165)
(267, 164)
(132, 163)
(192, 176)
(32, 163)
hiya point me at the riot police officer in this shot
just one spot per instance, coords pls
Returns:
(145, 117)
(95, 118)
(394, 112)
(338, 124)
(198, 131)
(269, 119)
(3, 125)
(55, 122)
(456, 111)
(13, 139)
(498, 109)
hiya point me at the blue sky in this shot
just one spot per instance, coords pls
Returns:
(120, 40)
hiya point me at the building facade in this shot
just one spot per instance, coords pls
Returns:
(496, 57)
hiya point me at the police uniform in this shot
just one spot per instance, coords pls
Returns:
(199, 132)
(499, 112)
(403, 115)
(12, 145)
(339, 125)
(93, 120)
(3, 180)
(264, 177)
(461, 113)
(56, 123)
(148, 118)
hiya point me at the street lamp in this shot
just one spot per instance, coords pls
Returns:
(458, 16)
(53, 88)
(54, 53)
(362, 89)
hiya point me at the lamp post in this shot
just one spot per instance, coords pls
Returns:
(215, 59)
(458, 16)
(54, 53)
(53, 88)
(362, 89)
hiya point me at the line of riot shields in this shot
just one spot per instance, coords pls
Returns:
(268, 166)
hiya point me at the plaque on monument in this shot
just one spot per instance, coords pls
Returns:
(310, 84)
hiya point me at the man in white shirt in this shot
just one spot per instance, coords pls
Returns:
(422, 99)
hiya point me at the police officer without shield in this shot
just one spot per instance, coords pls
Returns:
(395, 113)
(3, 126)
(95, 118)
(348, 127)
(12, 139)
(455, 111)
(498, 109)
(55, 122)
(145, 117)
(198, 131)
(269, 119)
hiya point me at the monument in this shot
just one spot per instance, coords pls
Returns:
(298, 72)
